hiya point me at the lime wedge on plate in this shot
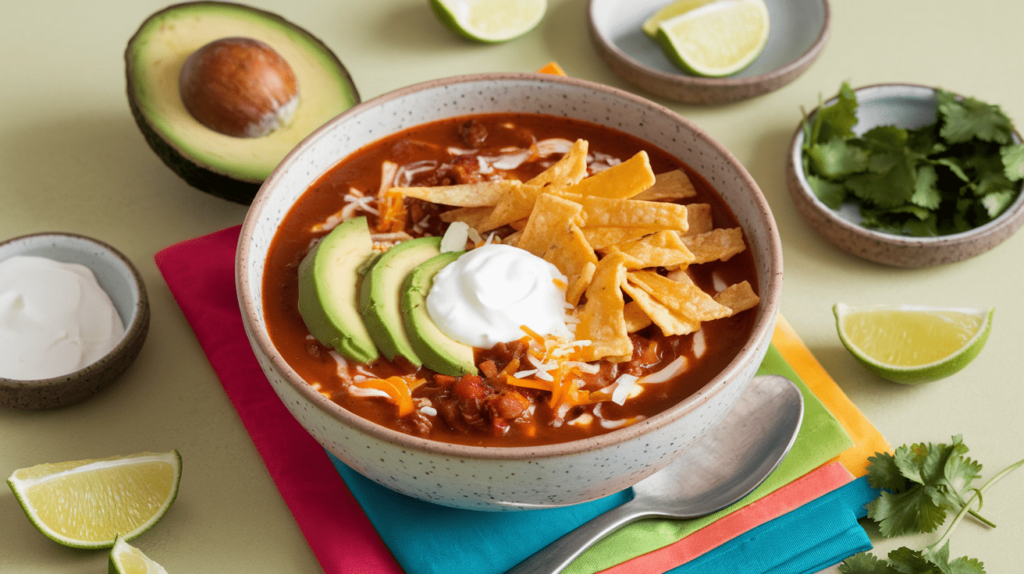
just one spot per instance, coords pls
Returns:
(490, 21)
(650, 26)
(913, 344)
(88, 503)
(126, 559)
(718, 39)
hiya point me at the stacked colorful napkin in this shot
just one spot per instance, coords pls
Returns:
(803, 518)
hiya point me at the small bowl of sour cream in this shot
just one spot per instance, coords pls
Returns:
(73, 316)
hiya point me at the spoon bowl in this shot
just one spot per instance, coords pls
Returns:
(725, 465)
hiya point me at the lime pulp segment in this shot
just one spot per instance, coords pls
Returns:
(718, 39)
(490, 20)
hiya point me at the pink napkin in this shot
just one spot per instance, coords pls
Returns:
(200, 275)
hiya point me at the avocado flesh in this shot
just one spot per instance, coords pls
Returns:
(380, 296)
(226, 166)
(439, 352)
(329, 290)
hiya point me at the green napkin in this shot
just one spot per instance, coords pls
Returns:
(821, 439)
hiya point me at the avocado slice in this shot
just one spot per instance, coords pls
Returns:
(226, 166)
(380, 296)
(439, 352)
(329, 278)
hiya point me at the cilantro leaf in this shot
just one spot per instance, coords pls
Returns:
(918, 509)
(1013, 161)
(837, 158)
(883, 473)
(830, 193)
(837, 120)
(967, 119)
(891, 188)
(997, 202)
(926, 190)
(866, 563)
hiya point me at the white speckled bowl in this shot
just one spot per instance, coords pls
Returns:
(122, 282)
(906, 106)
(507, 478)
(798, 32)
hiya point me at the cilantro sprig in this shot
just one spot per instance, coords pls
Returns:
(920, 483)
(957, 173)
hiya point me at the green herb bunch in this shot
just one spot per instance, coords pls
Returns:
(920, 483)
(950, 176)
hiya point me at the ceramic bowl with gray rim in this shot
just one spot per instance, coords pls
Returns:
(906, 106)
(116, 274)
(513, 478)
(798, 31)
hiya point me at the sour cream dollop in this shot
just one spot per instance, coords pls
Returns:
(486, 295)
(54, 318)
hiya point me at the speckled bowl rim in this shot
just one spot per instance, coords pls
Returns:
(137, 327)
(761, 333)
(725, 90)
(1007, 222)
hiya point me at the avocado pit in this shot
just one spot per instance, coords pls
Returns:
(239, 87)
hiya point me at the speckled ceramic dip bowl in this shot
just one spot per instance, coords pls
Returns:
(121, 281)
(798, 31)
(905, 106)
(508, 478)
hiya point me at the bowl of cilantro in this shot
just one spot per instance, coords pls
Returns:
(908, 175)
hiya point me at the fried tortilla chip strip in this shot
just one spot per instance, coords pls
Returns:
(668, 320)
(635, 316)
(669, 185)
(569, 170)
(579, 286)
(485, 193)
(738, 297)
(621, 181)
(686, 299)
(602, 321)
(553, 234)
(610, 212)
(698, 216)
(513, 206)
(661, 249)
(715, 245)
(472, 216)
(603, 237)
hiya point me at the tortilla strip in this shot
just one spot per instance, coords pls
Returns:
(698, 216)
(603, 237)
(553, 234)
(686, 299)
(472, 216)
(621, 181)
(462, 195)
(601, 321)
(738, 297)
(668, 320)
(636, 318)
(515, 205)
(669, 185)
(579, 286)
(610, 212)
(717, 244)
(661, 249)
(568, 170)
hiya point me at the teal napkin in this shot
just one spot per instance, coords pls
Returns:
(813, 537)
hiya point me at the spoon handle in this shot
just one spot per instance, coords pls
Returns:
(557, 555)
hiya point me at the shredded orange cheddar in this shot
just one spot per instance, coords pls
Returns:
(396, 388)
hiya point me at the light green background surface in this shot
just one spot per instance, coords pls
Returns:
(71, 159)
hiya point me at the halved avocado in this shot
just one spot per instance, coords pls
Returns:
(226, 166)
(329, 278)
(439, 352)
(380, 296)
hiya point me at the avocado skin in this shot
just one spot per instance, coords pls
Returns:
(382, 285)
(340, 326)
(205, 178)
(439, 352)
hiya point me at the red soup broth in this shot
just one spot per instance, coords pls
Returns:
(439, 151)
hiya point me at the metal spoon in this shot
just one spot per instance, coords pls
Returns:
(723, 466)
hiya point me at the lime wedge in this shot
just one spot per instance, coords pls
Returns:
(718, 39)
(650, 26)
(490, 21)
(126, 559)
(913, 344)
(88, 503)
